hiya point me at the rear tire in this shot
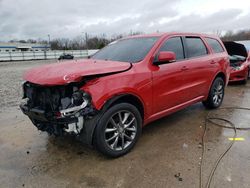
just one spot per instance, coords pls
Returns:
(216, 94)
(118, 130)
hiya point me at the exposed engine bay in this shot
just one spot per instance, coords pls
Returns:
(237, 54)
(58, 109)
(236, 61)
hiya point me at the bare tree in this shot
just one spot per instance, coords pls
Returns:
(240, 35)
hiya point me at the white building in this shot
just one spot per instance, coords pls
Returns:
(17, 47)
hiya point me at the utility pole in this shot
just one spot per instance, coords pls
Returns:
(82, 41)
(49, 39)
(86, 40)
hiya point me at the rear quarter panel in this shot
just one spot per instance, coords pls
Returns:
(222, 59)
(222, 66)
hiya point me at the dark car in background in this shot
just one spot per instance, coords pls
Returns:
(66, 56)
(239, 61)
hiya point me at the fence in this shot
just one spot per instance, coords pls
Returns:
(40, 55)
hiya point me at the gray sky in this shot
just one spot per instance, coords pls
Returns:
(23, 19)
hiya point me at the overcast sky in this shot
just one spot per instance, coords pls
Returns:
(23, 19)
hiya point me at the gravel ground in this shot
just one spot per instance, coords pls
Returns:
(11, 81)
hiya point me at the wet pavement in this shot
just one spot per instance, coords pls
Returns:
(167, 154)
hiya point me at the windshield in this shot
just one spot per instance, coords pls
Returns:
(127, 50)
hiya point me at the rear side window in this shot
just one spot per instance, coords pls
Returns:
(195, 47)
(174, 45)
(215, 45)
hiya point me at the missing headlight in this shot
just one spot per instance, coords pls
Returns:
(79, 101)
(79, 97)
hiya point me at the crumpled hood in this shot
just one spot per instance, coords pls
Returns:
(72, 71)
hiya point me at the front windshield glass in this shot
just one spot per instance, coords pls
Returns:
(127, 50)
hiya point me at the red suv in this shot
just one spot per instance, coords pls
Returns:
(106, 100)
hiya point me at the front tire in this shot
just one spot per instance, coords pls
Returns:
(216, 94)
(118, 130)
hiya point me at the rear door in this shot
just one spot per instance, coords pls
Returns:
(198, 67)
(168, 78)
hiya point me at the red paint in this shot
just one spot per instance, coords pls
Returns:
(166, 56)
(162, 89)
(242, 74)
(72, 71)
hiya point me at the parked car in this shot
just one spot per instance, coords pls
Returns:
(66, 56)
(106, 100)
(239, 61)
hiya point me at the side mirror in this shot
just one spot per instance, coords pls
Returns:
(165, 57)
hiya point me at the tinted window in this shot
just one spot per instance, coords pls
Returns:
(195, 47)
(215, 45)
(174, 45)
(127, 50)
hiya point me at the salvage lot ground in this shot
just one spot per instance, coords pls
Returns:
(167, 147)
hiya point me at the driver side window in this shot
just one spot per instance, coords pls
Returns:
(174, 45)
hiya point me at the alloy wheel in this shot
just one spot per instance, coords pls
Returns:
(120, 130)
(218, 92)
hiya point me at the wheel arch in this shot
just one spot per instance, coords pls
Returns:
(220, 74)
(208, 102)
(129, 98)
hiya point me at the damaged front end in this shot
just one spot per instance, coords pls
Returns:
(238, 61)
(57, 110)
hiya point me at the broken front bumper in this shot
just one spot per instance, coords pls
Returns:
(42, 116)
(58, 125)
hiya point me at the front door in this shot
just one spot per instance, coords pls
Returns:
(168, 88)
